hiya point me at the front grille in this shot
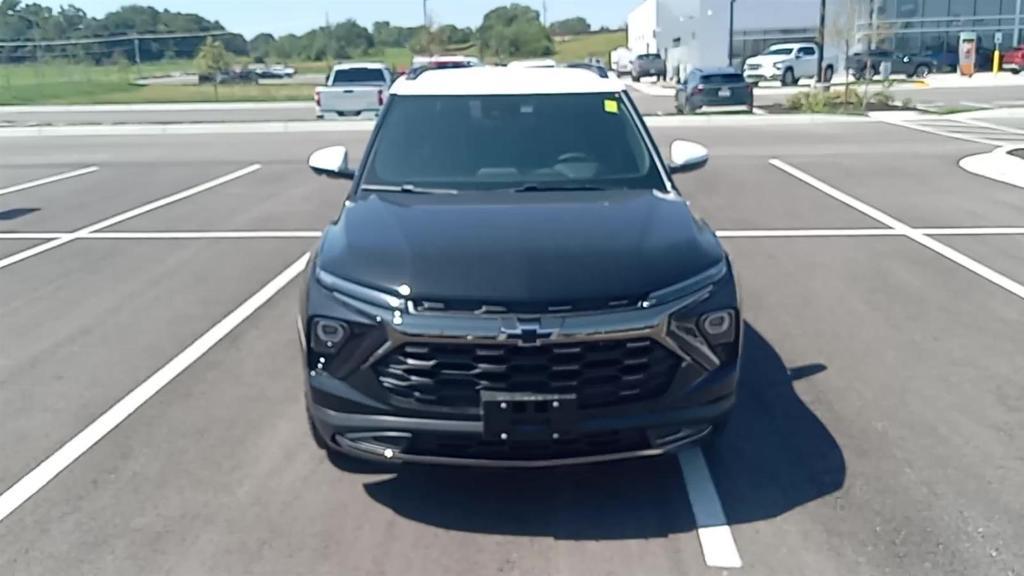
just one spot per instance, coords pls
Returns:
(600, 373)
(753, 66)
(593, 444)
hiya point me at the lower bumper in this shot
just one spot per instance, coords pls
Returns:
(599, 436)
(372, 452)
(760, 76)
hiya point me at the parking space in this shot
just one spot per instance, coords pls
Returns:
(157, 380)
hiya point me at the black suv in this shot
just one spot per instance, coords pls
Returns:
(514, 280)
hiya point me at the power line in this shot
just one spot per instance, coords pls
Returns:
(127, 37)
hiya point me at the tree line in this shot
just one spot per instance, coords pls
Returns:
(513, 31)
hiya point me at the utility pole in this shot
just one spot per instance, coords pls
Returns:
(138, 60)
(732, 10)
(820, 74)
(1016, 25)
(426, 17)
(544, 11)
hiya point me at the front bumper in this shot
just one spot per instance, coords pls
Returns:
(761, 74)
(648, 429)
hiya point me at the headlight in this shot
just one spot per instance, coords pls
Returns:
(719, 327)
(327, 335)
(777, 65)
(711, 339)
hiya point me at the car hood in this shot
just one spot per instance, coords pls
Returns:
(527, 248)
(766, 61)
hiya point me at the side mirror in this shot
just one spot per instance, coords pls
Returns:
(686, 156)
(331, 162)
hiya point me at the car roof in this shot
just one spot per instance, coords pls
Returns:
(494, 80)
(349, 65)
(791, 45)
(718, 70)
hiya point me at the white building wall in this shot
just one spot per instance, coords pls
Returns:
(642, 24)
(694, 34)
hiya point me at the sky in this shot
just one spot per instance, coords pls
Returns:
(250, 17)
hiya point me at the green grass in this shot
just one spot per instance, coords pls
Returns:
(66, 83)
(599, 44)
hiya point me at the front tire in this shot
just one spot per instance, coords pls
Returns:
(827, 76)
(788, 77)
(922, 71)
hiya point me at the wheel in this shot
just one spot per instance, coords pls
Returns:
(636, 78)
(788, 78)
(681, 108)
(922, 71)
(319, 116)
(827, 76)
(1017, 71)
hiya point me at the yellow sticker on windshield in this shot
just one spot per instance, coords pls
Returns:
(611, 106)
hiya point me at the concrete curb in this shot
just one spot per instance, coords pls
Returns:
(309, 126)
(165, 107)
(998, 165)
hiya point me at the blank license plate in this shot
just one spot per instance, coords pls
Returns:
(724, 92)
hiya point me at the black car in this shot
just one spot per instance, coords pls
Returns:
(515, 280)
(592, 67)
(912, 66)
(713, 87)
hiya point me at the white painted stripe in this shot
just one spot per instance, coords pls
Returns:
(30, 235)
(945, 133)
(227, 235)
(916, 235)
(117, 219)
(300, 234)
(713, 530)
(995, 127)
(823, 232)
(54, 464)
(48, 180)
(976, 104)
(970, 231)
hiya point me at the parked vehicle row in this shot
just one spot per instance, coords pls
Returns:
(912, 66)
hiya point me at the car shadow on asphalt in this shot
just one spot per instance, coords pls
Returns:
(775, 456)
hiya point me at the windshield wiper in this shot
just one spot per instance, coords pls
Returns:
(556, 188)
(407, 188)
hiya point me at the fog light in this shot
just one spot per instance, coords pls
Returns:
(719, 327)
(327, 335)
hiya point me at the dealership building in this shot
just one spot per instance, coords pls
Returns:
(692, 33)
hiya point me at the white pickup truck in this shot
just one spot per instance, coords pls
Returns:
(352, 89)
(788, 63)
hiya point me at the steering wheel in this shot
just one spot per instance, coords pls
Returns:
(574, 157)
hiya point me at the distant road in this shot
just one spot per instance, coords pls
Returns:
(207, 112)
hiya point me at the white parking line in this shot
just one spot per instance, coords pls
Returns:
(54, 464)
(313, 234)
(916, 235)
(713, 530)
(216, 235)
(117, 219)
(48, 180)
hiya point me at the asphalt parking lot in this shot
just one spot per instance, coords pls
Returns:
(151, 408)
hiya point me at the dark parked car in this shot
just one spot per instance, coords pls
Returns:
(515, 280)
(912, 66)
(711, 87)
(595, 68)
(646, 65)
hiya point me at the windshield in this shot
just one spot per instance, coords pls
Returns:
(777, 52)
(493, 142)
(649, 57)
(358, 76)
(723, 79)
